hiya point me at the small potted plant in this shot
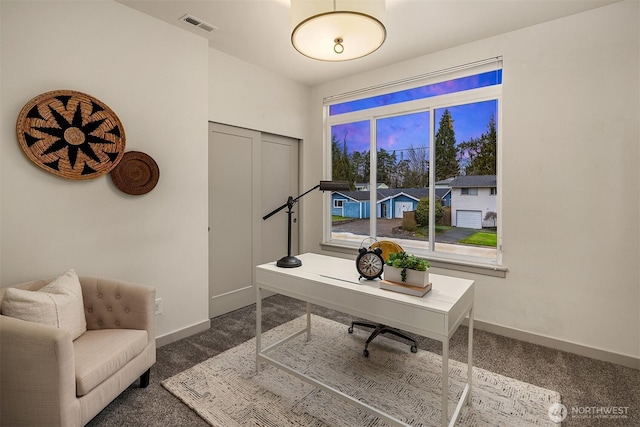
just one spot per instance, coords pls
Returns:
(407, 269)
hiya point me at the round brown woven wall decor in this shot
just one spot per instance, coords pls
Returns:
(137, 173)
(71, 134)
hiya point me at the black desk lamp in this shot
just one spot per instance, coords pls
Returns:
(291, 261)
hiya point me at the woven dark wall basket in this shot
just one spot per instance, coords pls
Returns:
(137, 173)
(71, 134)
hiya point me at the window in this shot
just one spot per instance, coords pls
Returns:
(407, 153)
(337, 203)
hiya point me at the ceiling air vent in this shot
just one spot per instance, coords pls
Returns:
(196, 22)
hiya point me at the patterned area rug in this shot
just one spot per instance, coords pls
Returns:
(226, 391)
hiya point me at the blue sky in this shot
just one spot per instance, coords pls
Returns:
(475, 81)
(401, 132)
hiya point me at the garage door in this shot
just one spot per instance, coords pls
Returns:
(469, 219)
(402, 207)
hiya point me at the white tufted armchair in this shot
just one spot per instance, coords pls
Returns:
(48, 379)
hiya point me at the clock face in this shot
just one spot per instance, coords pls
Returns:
(370, 265)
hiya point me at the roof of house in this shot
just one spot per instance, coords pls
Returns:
(446, 181)
(366, 185)
(358, 196)
(474, 181)
(389, 193)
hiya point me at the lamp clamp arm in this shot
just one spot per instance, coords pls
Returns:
(290, 202)
(306, 192)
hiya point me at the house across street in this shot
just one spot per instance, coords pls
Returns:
(471, 198)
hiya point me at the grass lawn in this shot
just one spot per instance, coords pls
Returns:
(481, 238)
(335, 218)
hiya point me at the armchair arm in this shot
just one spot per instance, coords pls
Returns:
(37, 375)
(114, 304)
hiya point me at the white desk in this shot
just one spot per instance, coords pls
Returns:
(333, 283)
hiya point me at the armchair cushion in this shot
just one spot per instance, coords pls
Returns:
(95, 359)
(58, 304)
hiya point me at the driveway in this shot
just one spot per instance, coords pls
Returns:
(385, 226)
(385, 229)
(455, 234)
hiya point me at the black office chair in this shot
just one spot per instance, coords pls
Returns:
(378, 328)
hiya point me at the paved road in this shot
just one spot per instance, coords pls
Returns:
(454, 235)
(385, 229)
(361, 226)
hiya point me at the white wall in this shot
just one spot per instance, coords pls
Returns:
(571, 187)
(244, 95)
(1, 127)
(154, 77)
(247, 96)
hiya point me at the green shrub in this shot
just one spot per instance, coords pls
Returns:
(422, 211)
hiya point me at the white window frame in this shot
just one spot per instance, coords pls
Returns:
(453, 261)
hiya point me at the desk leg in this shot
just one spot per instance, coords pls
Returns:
(445, 381)
(470, 358)
(308, 321)
(258, 326)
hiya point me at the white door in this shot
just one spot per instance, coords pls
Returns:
(279, 181)
(469, 219)
(232, 153)
(402, 207)
(245, 169)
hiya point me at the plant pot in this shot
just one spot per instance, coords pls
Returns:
(414, 277)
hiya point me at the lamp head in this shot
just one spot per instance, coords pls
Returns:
(334, 186)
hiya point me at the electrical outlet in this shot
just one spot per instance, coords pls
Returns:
(158, 306)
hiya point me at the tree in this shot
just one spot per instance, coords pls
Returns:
(412, 179)
(418, 166)
(401, 176)
(386, 166)
(360, 166)
(491, 216)
(412, 171)
(422, 211)
(341, 170)
(446, 150)
(481, 153)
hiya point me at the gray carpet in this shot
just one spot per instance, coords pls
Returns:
(581, 381)
(226, 391)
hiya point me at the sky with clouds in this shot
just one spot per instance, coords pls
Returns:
(399, 133)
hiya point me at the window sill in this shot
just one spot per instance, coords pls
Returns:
(436, 261)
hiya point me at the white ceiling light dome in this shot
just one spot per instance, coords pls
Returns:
(337, 30)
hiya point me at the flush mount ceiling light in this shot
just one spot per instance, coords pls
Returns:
(337, 30)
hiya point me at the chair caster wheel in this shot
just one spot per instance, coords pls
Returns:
(350, 330)
(366, 353)
(414, 349)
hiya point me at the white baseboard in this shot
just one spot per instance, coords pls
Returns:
(230, 301)
(182, 333)
(579, 349)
